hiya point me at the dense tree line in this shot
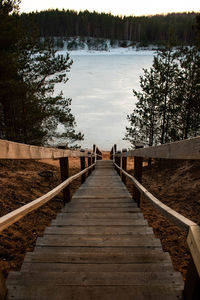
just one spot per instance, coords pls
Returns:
(168, 104)
(29, 110)
(159, 29)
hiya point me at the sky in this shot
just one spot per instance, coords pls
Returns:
(123, 7)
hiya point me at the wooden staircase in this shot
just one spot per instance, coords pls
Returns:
(98, 247)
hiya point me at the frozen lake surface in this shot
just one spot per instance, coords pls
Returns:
(100, 85)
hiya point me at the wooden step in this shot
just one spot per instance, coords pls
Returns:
(90, 230)
(99, 222)
(105, 255)
(79, 209)
(98, 240)
(70, 267)
(99, 215)
(96, 278)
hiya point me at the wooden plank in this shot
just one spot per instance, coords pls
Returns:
(79, 209)
(102, 200)
(135, 240)
(19, 213)
(69, 267)
(98, 215)
(186, 149)
(165, 210)
(59, 292)
(107, 189)
(85, 222)
(193, 241)
(107, 204)
(12, 150)
(90, 230)
(97, 278)
(103, 255)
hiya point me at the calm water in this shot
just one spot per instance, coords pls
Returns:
(101, 90)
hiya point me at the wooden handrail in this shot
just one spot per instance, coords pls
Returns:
(192, 229)
(12, 150)
(185, 149)
(17, 214)
(177, 218)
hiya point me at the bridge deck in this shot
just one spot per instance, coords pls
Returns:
(98, 247)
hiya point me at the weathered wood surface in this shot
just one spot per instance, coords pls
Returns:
(99, 247)
(193, 241)
(12, 150)
(186, 149)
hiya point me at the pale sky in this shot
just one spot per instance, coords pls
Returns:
(123, 7)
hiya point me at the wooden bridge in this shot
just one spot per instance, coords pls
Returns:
(100, 246)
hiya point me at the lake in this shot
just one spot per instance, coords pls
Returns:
(100, 86)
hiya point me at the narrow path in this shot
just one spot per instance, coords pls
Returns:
(98, 247)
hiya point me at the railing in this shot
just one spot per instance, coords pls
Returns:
(12, 150)
(186, 149)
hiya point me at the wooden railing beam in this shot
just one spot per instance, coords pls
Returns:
(12, 150)
(185, 149)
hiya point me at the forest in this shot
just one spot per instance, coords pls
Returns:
(173, 28)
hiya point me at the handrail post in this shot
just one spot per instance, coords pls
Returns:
(82, 166)
(118, 161)
(124, 164)
(111, 154)
(89, 163)
(64, 171)
(115, 148)
(3, 290)
(192, 283)
(137, 174)
(94, 157)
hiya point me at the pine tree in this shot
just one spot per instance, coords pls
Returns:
(168, 107)
(30, 111)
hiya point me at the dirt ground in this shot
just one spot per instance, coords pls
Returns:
(174, 183)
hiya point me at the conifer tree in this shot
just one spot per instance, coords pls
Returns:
(30, 111)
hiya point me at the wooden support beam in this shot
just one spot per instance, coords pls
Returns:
(89, 162)
(137, 174)
(118, 161)
(192, 283)
(111, 154)
(3, 289)
(115, 148)
(93, 157)
(82, 166)
(124, 164)
(64, 171)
